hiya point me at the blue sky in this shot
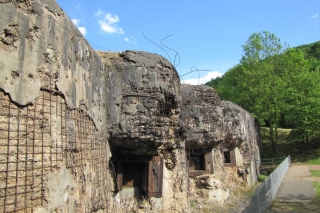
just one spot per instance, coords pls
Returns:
(207, 34)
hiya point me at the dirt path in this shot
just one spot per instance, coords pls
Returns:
(314, 167)
(297, 193)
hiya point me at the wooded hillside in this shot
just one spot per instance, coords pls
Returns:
(279, 85)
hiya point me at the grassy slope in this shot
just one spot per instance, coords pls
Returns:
(289, 145)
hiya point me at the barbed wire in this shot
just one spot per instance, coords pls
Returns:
(195, 70)
(174, 62)
(157, 46)
(177, 54)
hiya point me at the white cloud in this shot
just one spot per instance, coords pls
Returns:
(315, 16)
(112, 19)
(75, 21)
(83, 30)
(108, 23)
(109, 28)
(131, 40)
(202, 80)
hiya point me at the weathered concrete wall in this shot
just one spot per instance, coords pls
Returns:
(210, 187)
(53, 147)
(144, 106)
(244, 137)
(202, 116)
(143, 101)
(61, 103)
(41, 48)
(175, 187)
(41, 145)
(224, 127)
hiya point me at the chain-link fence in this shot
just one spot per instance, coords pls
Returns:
(264, 194)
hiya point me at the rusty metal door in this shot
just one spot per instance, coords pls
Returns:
(233, 158)
(155, 177)
(119, 175)
(208, 163)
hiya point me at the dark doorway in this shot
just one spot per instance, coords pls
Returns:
(227, 158)
(134, 174)
(199, 162)
(196, 162)
(143, 172)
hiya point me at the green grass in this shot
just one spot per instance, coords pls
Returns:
(317, 187)
(290, 144)
(313, 162)
(315, 173)
(192, 204)
(261, 178)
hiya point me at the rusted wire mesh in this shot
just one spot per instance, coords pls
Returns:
(38, 139)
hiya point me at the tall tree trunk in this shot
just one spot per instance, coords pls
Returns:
(273, 139)
(307, 142)
(275, 124)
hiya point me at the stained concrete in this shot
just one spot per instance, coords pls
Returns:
(61, 188)
(42, 49)
(203, 116)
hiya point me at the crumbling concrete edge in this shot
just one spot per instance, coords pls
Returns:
(43, 49)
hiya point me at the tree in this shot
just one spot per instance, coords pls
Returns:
(262, 83)
(276, 84)
(303, 104)
(227, 87)
(312, 53)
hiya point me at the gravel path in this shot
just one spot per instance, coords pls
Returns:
(297, 184)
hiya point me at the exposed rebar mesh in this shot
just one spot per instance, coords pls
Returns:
(39, 139)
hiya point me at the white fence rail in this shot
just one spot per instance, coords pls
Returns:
(264, 194)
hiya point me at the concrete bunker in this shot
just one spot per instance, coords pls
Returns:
(143, 106)
(77, 103)
(144, 126)
(219, 141)
(204, 123)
